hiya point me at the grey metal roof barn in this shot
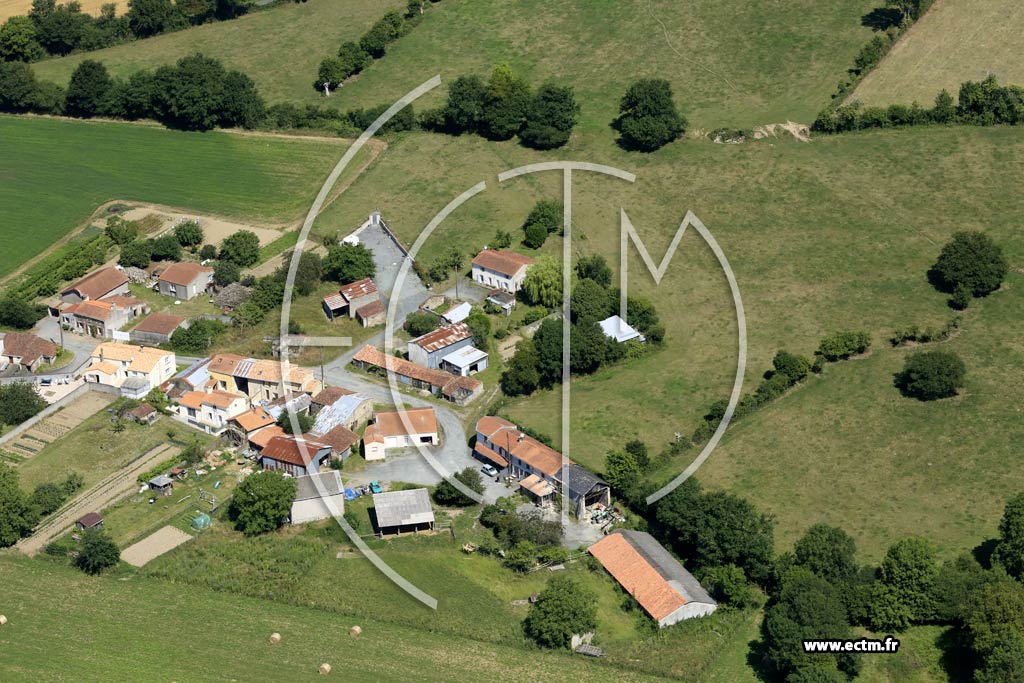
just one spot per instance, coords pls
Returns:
(306, 487)
(403, 508)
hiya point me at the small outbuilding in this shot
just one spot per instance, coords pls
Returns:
(618, 329)
(398, 511)
(89, 521)
(144, 414)
(312, 494)
(162, 484)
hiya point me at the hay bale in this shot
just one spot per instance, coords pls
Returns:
(355, 631)
(3, 620)
(325, 669)
(275, 638)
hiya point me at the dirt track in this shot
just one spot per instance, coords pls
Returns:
(105, 493)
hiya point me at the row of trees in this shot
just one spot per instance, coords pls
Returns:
(984, 103)
(354, 56)
(20, 512)
(197, 93)
(58, 29)
(505, 106)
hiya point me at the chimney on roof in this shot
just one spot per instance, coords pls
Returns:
(521, 437)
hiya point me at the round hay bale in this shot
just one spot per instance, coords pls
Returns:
(275, 638)
(355, 631)
(325, 669)
(3, 620)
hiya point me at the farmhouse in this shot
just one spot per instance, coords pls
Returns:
(101, 284)
(134, 369)
(407, 427)
(428, 350)
(618, 329)
(544, 471)
(497, 269)
(296, 455)
(351, 298)
(210, 411)
(259, 380)
(102, 318)
(460, 390)
(398, 511)
(156, 329)
(184, 280)
(664, 589)
(26, 351)
(313, 493)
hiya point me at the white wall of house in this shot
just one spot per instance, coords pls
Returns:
(408, 440)
(690, 610)
(373, 451)
(316, 508)
(494, 280)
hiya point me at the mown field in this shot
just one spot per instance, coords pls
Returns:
(54, 174)
(956, 41)
(761, 62)
(138, 629)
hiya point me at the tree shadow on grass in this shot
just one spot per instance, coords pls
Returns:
(757, 660)
(881, 18)
(983, 552)
(956, 656)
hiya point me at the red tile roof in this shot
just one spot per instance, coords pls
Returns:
(357, 289)
(446, 382)
(28, 346)
(97, 284)
(421, 421)
(297, 451)
(184, 273)
(160, 323)
(640, 579)
(507, 263)
(330, 395)
(340, 438)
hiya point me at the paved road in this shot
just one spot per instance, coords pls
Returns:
(101, 495)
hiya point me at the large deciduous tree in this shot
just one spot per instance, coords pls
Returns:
(347, 263)
(648, 117)
(550, 117)
(562, 609)
(241, 248)
(931, 375)
(262, 502)
(88, 89)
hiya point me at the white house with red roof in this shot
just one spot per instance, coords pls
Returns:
(498, 269)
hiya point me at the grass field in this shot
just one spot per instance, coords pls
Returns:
(292, 38)
(760, 63)
(137, 629)
(822, 236)
(956, 41)
(54, 174)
